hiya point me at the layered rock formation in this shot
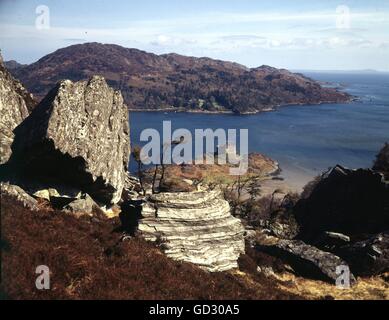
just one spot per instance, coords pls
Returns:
(195, 227)
(78, 135)
(14, 103)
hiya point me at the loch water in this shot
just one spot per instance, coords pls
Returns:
(308, 139)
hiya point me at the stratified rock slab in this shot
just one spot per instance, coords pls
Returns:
(78, 134)
(195, 227)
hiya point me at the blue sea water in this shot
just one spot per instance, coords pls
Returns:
(305, 140)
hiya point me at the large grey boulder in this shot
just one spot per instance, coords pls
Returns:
(308, 261)
(195, 227)
(14, 101)
(79, 135)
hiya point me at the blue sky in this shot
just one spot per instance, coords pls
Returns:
(301, 34)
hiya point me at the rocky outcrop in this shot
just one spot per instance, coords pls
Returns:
(368, 257)
(195, 227)
(346, 212)
(14, 102)
(351, 202)
(78, 135)
(58, 195)
(308, 261)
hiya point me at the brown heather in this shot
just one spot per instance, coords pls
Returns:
(88, 260)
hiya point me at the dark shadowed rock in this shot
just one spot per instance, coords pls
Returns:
(14, 102)
(282, 222)
(351, 202)
(382, 161)
(307, 260)
(331, 240)
(369, 257)
(79, 135)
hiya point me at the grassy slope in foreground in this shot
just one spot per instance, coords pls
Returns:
(88, 260)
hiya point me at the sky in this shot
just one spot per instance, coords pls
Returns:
(297, 35)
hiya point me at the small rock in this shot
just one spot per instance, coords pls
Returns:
(59, 196)
(21, 195)
(84, 205)
(331, 240)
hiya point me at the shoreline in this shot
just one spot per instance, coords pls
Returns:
(268, 109)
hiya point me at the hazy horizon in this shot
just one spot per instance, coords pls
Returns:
(293, 70)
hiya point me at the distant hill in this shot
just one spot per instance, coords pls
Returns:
(176, 82)
(13, 65)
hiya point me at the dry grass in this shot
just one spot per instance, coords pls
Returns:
(375, 288)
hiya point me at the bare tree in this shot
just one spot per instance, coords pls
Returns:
(162, 165)
(136, 153)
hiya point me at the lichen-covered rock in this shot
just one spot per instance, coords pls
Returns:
(78, 134)
(307, 260)
(14, 101)
(195, 227)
